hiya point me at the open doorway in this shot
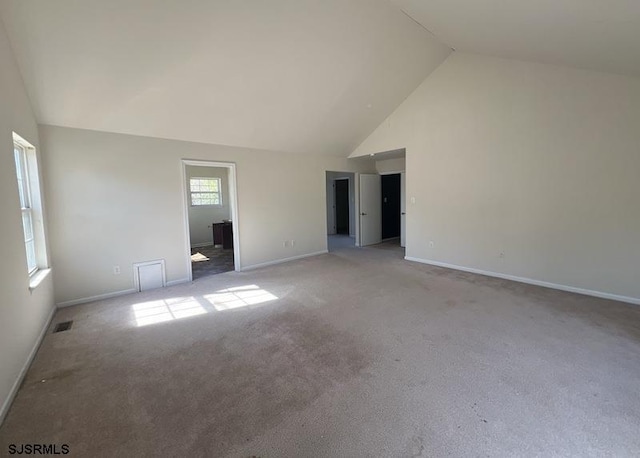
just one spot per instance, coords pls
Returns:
(341, 189)
(340, 210)
(391, 191)
(210, 217)
(382, 209)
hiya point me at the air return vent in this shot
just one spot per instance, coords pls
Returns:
(64, 326)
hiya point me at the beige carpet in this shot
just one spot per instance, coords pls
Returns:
(353, 353)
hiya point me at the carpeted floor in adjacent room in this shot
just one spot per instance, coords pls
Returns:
(352, 353)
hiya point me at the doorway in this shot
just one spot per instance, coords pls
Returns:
(211, 218)
(382, 208)
(342, 206)
(340, 210)
(391, 206)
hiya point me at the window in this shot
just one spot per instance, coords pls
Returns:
(30, 203)
(205, 191)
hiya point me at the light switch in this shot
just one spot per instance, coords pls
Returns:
(413, 200)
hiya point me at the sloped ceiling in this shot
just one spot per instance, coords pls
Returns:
(311, 76)
(601, 35)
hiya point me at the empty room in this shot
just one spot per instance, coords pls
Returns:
(319, 228)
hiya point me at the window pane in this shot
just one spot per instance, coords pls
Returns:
(31, 255)
(27, 225)
(205, 191)
(199, 198)
(17, 154)
(22, 176)
(204, 184)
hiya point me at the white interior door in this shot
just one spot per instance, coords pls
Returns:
(403, 210)
(370, 209)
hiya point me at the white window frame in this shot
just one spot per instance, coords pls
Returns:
(218, 193)
(30, 200)
(24, 189)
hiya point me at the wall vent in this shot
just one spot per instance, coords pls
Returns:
(64, 326)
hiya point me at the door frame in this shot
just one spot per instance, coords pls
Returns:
(233, 206)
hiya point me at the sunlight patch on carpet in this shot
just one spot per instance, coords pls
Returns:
(241, 296)
(166, 310)
(175, 308)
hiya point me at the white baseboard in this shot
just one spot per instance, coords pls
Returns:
(16, 385)
(200, 245)
(84, 300)
(530, 281)
(280, 261)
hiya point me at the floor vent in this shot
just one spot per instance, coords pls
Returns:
(64, 326)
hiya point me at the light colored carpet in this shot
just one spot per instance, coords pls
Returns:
(354, 353)
(338, 242)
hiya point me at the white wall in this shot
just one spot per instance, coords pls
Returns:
(397, 164)
(535, 161)
(331, 214)
(201, 217)
(130, 208)
(23, 315)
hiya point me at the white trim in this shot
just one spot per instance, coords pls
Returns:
(84, 300)
(16, 385)
(530, 281)
(136, 272)
(283, 260)
(37, 278)
(233, 205)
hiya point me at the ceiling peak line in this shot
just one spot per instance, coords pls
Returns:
(429, 31)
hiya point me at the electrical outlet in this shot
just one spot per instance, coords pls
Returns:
(431, 244)
(501, 255)
(116, 270)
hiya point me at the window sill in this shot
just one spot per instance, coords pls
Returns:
(37, 278)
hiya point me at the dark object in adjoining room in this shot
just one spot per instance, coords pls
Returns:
(223, 234)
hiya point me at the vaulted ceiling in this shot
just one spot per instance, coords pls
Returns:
(312, 76)
(601, 35)
(289, 75)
